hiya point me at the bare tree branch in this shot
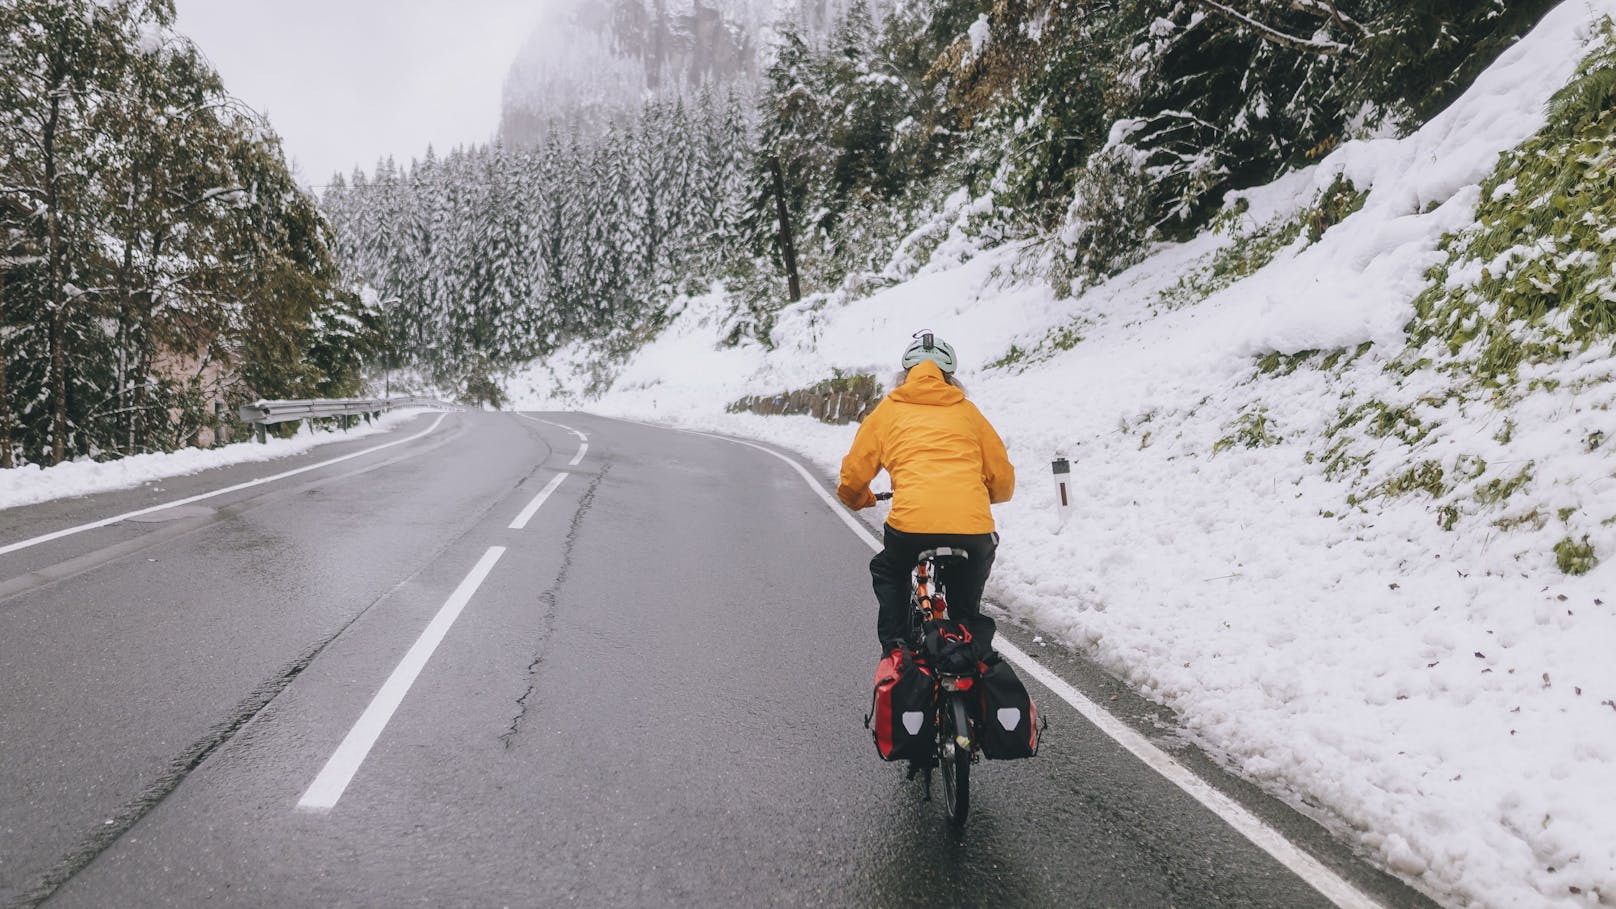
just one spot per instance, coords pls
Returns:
(1274, 35)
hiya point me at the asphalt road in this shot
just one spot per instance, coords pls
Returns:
(648, 693)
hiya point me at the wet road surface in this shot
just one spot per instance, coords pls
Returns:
(654, 696)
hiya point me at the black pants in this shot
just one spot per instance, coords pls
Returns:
(963, 581)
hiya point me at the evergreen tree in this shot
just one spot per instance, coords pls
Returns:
(150, 225)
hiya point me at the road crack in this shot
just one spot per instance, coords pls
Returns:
(549, 598)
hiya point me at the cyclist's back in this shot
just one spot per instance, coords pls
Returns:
(947, 465)
(942, 455)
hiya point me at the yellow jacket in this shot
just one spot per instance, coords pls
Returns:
(946, 462)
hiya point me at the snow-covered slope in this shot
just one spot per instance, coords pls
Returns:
(1426, 676)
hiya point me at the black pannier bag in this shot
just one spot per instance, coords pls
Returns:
(1009, 722)
(949, 648)
(903, 715)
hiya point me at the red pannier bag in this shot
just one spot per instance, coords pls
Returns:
(903, 713)
(1009, 726)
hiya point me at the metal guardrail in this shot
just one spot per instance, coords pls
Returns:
(262, 413)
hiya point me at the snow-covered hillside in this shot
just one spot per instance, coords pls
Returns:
(1377, 585)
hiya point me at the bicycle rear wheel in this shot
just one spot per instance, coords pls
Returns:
(954, 758)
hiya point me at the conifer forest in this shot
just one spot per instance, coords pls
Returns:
(160, 263)
(841, 157)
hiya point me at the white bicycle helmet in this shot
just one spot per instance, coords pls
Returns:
(927, 347)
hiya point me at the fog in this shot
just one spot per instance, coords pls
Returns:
(346, 82)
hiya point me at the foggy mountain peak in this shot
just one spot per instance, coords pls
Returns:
(589, 60)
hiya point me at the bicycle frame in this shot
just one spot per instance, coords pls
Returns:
(927, 596)
(956, 737)
(931, 605)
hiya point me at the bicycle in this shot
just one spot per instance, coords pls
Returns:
(980, 709)
(957, 746)
(945, 648)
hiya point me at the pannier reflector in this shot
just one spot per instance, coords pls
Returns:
(912, 720)
(1009, 718)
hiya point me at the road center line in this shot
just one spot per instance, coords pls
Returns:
(583, 449)
(104, 522)
(532, 507)
(1333, 887)
(581, 436)
(328, 786)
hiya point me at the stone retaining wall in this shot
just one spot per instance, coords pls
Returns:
(837, 401)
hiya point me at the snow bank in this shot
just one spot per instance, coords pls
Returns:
(28, 485)
(1446, 699)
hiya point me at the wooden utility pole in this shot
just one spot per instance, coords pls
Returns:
(788, 249)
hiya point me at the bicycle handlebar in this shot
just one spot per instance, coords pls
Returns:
(883, 496)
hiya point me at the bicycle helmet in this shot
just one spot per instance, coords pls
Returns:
(927, 347)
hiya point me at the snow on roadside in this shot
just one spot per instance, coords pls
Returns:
(1444, 698)
(31, 485)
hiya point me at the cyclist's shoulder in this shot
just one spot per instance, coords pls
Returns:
(969, 408)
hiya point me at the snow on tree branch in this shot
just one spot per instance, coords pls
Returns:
(1314, 45)
(1331, 11)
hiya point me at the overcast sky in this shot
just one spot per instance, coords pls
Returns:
(347, 81)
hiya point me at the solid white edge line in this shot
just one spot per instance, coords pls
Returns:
(579, 457)
(847, 517)
(1331, 885)
(67, 532)
(1334, 888)
(333, 779)
(533, 507)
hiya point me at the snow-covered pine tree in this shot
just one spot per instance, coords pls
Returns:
(172, 197)
(792, 139)
(150, 226)
(720, 156)
(48, 97)
(614, 247)
(1220, 95)
(554, 190)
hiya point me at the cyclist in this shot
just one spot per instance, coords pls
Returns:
(947, 467)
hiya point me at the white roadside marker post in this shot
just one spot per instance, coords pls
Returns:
(1063, 488)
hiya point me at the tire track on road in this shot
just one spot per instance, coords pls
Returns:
(102, 838)
(178, 769)
(13, 587)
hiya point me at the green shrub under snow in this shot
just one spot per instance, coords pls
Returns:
(1520, 318)
(1535, 280)
(1254, 247)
